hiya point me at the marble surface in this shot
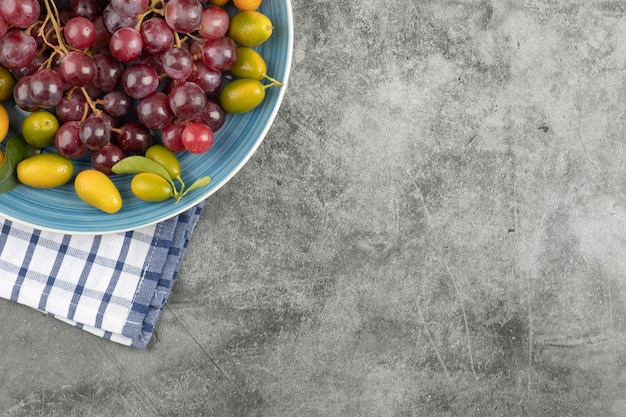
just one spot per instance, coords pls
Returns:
(434, 226)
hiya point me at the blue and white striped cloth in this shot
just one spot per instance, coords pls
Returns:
(114, 286)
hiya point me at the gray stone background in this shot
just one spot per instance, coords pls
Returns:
(434, 226)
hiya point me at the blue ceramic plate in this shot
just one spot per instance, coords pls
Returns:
(60, 210)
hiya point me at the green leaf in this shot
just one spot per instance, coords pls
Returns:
(13, 153)
(199, 183)
(9, 183)
(135, 164)
(16, 150)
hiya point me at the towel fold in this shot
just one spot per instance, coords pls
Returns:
(114, 286)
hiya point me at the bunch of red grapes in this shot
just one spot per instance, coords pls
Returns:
(116, 72)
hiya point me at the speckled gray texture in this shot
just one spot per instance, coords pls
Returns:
(434, 226)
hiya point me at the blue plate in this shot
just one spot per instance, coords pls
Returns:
(60, 209)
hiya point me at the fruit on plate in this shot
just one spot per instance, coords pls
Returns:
(150, 187)
(39, 128)
(45, 170)
(96, 189)
(250, 28)
(165, 157)
(247, 4)
(7, 83)
(242, 95)
(4, 122)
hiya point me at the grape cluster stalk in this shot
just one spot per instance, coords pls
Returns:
(115, 72)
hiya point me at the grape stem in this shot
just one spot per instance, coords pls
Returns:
(182, 184)
(177, 39)
(143, 15)
(195, 38)
(53, 17)
(90, 102)
(273, 81)
(156, 7)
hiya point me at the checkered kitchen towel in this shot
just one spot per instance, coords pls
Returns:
(114, 286)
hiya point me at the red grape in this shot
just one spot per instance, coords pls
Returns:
(171, 137)
(31, 67)
(214, 23)
(154, 111)
(103, 36)
(46, 88)
(20, 13)
(85, 8)
(197, 137)
(134, 138)
(183, 15)
(113, 21)
(177, 63)
(21, 95)
(71, 107)
(130, 7)
(209, 80)
(187, 100)
(150, 60)
(140, 80)
(78, 68)
(17, 49)
(104, 158)
(67, 140)
(213, 115)
(108, 72)
(65, 14)
(219, 54)
(118, 103)
(156, 35)
(95, 132)
(80, 32)
(126, 44)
